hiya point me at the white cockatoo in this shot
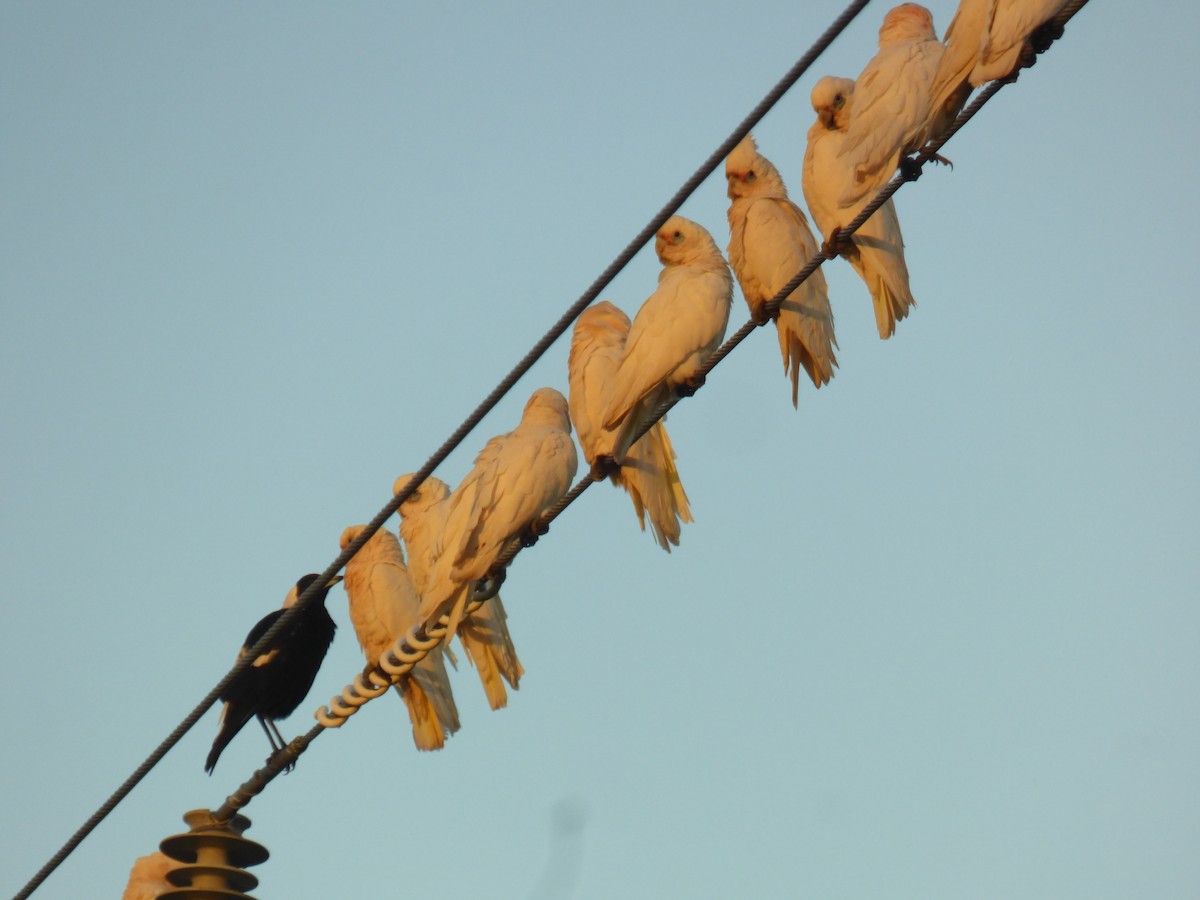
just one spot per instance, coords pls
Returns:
(648, 471)
(676, 330)
(876, 250)
(483, 634)
(769, 242)
(148, 877)
(893, 112)
(384, 605)
(517, 477)
(989, 40)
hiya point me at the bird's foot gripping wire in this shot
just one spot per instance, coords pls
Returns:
(910, 169)
(764, 314)
(274, 759)
(1041, 39)
(536, 529)
(689, 386)
(836, 245)
(604, 466)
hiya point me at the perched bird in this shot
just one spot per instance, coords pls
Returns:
(893, 112)
(384, 605)
(484, 634)
(517, 477)
(876, 250)
(456, 540)
(988, 40)
(148, 877)
(676, 330)
(648, 471)
(769, 242)
(277, 681)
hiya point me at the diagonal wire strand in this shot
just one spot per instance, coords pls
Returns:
(308, 597)
(286, 757)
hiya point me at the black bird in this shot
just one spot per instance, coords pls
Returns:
(277, 682)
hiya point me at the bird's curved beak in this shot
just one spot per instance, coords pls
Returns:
(334, 580)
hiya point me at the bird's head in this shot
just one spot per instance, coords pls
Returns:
(750, 174)
(303, 584)
(740, 168)
(907, 22)
(681, 241)
(349, 535)
(547, 406)
(430, 491)
(604, 315)
(831, 99)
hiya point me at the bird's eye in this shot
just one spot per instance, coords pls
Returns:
(750, 176)
(839, 101)
(677, 236)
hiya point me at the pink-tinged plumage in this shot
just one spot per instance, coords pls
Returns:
(876, 250)
(648, 471)
(517, 477)
(676, 330)
(893, 113)
(384, 605)
(148, 877)
(987, 40)
(769, 242)
(484, 634)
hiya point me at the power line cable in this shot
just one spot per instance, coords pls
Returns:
(308, 597)
(422, 638)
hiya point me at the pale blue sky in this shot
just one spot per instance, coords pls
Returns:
(931, 636)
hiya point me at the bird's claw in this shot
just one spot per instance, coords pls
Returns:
(690, 386)
(536, 529)
(835, 245)
(273, 760)
(603, 466)
(763, 315)
(1043, 36)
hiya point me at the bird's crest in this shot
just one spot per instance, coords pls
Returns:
(907, 22)
(549, 407)
(742, 158)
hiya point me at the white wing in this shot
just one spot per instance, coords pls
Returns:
(484, 635)
(514, 481)
(597, 344)
(823, 177)
(648, 473)
(384, 605)
(672, 331)
(777, 244)
(1012, 24)
(877, 248)
(895, 118)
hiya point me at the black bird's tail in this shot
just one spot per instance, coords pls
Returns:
(231, 723)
